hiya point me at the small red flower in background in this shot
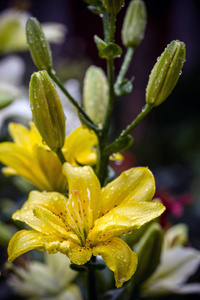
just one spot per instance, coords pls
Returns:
(174, 204)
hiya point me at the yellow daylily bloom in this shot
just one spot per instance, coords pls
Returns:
(90, 221)
(30, 158)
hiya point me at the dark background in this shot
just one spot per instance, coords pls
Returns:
(168, 139)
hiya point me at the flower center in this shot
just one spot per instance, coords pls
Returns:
(80, 217)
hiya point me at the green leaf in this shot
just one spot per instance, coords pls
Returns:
(95, 10)
(119, 145)
(94, 2)
(125, 88)
(109, 50)
(101, 45)
(148, 251)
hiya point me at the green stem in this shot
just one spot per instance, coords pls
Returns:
(106, 26)
(55, 78)
(124, 67)
(61, 156)
(111, 95)
(91, 281)
(137, 120)
(112, 27)
(102, 161)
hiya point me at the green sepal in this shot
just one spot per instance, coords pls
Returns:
(148, 251)
(125, 88)
(109, 50)
(38, 45)
(119, 145)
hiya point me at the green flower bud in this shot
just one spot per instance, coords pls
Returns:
(38, 45)
(113, 6)
(47, 110)
(148, 251)
(95, 94)
(134, 24)
(165, 73)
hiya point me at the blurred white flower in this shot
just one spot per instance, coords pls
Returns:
(12, 69)
(72, 119)
(176, 235)
(44, 281)
(178, 263)
(12, 31)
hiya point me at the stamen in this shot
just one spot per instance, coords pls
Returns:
(80, 217)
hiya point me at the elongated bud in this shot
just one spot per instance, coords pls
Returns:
(95, 94)
(134, 24)
(165, 73)
(148, 251)
(38, 45)
(47, 110)
(113, 6)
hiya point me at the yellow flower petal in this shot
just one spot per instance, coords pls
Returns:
(30, 158)
(53, 223)
(119, 258)
(23, 163)
(78, 146)
(84, 180)
(46, 212)
(53, 201)
(20, 134)
(51, 167)
(26, 240)
(136, 184)
(124, 218)
(77, 254)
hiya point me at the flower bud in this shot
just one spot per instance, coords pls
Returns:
(95, 94)
(148, 251)
(134, 24)
(38, 45)
(47, 110)
(113, 6)
(165, 73)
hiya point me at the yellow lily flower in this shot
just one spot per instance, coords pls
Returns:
(90, 220)
(30, 158)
